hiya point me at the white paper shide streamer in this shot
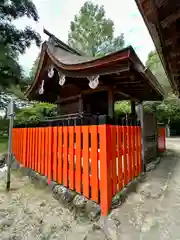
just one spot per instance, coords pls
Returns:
(51, 72)
(93, 81)
(41, 90)
(62, 79)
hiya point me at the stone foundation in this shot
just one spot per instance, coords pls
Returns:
(73, 201)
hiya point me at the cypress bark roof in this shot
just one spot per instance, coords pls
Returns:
(122, 70)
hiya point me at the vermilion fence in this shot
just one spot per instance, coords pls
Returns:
(161, 139)
(94, 160)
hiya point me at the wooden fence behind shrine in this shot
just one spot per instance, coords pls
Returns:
(96, 160)
(161, 139)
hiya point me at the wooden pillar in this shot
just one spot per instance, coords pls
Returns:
(141, 116)
(105, 170)
(110, 102)
(133, 108)
(81, 107)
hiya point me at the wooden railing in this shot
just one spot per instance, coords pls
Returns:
(161, 139)
(94, 159)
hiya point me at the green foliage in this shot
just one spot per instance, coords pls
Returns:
(4, 123)
(111, 46)
(34, 69)
(17, 40)
(122, 108)
(92, 34)
(167, 111)
(14, 93)
(154, 64)
(36, 112)
(3, 144)
(10, 71)
(14, 41)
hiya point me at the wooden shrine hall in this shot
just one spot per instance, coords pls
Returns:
(86, 148)
(91, 85)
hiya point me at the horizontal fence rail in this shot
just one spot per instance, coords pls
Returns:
(161, 139)
(95, 160)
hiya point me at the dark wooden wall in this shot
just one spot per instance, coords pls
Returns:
(69, 107)
(71, 101)
(150, 137)
(96, 103)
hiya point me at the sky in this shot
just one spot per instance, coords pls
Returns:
(56, 15)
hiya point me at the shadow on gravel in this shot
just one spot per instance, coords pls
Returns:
(168, 163)
(159, 176)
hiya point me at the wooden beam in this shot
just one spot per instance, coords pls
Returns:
(121, 84)
(81, 106)
(174, 66)
(167, 8)
(170, 19)
(119, 78)
(59, 101)
(122, 87)
(161, 4)
(157, 33)
(112, 69)
(127, 96)
(122, 94)
(173, 39)
(169, 32)
(176, 75)
(98, 89)
(133, 107)
(110, 102)
(174, 54)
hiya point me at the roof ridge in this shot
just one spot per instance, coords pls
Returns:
(61, 44)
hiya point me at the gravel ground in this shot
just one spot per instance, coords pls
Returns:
(28, 212)
(151, 211)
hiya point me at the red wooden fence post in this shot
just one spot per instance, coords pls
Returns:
(161, 139)
(49, 145)
(164, 139)
(94, 163)
(105, 170)
(24, 147)
(54, 158)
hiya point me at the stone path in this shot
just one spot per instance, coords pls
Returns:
(152, 211)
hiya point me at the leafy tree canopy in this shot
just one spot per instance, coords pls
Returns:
(154, 64)
(122, 108)
(14, 41)
(34, 69)
(92, 34)
(167, 111)
(17, 40)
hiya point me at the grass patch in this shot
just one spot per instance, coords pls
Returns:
(3, 144)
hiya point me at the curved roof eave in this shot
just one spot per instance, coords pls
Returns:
(67, 61)
(82, 62)
(43, 51)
